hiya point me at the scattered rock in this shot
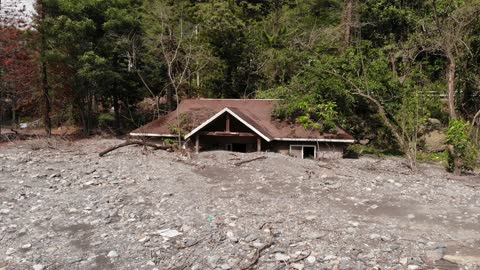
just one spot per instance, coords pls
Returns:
(250, 238)
(311, 259)
(462, 260)
(112, 254)
(212, 260)
(281, 257)
(329, 257)
(169, 233)
(315, 235)
(38, 267)
(232, 237)
(298, 266)
(55, 175)
(364, 141)
(225, 266)
(434, 255)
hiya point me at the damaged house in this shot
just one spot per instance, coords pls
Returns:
(242, 125)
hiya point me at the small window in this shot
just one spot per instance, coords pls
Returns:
(309, 152)
(296, 151)
(303, 151)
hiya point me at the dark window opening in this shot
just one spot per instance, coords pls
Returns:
(309, 152)
(239, 147)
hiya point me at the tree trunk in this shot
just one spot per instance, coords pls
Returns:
(14, 113)
(116, 108)
(451, 70)
(45, 87)
(347, 23)
(457, 161)
(169, 99)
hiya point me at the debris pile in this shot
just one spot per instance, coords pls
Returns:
(66, 208)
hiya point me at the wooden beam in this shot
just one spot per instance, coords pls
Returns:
(226, 133)
(259, 144)
(227, 123)
(197, 143)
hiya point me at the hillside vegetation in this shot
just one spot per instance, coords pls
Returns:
(389, 71)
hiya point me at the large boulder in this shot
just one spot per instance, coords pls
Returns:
(435, 141)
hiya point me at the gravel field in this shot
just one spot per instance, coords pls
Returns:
(64, 207)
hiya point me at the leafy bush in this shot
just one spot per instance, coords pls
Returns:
(321, 117)
(106, 120)
(182, 127)
(458, 136)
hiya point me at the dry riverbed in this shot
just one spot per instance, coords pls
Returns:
(64, 207)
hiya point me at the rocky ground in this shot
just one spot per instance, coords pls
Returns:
(64, 207)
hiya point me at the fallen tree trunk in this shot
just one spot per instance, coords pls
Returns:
(249, 160)
(127, 143)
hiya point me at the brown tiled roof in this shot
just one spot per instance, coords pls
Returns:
(257, 112)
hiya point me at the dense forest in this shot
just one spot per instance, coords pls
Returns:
(388, 71)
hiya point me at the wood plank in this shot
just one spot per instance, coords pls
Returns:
(225, 133)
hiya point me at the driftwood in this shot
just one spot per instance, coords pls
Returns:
(257, 255)
(249, 160)
(301, 258)
(127, 143)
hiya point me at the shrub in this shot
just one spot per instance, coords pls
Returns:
(458, 137)
(106, 120)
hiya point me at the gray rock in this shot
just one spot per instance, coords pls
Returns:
(364, 141)
(232, 237)
(329, 257)
(213, 260)
(315, 235)
(281, 257)
(311, 259)
(250, 238)
(462, 260)
(55, 175)
(169, 233)
(386, 238)
(298, 266)
(434, 255)
(112, 254)
(225, 266)
(38, 267)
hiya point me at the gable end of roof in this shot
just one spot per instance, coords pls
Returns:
(227, 110)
